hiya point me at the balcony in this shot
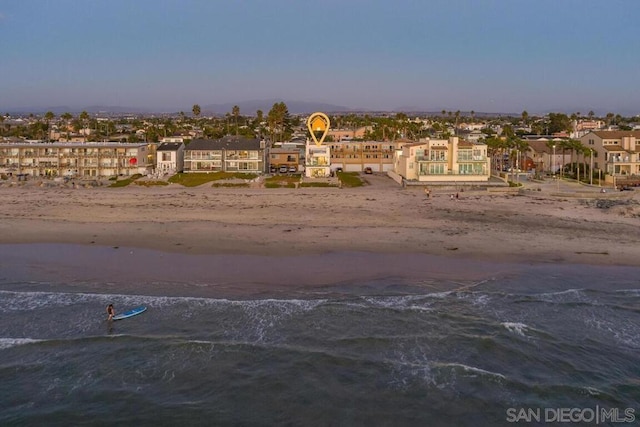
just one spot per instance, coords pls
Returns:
(450, 173)
(427, 159)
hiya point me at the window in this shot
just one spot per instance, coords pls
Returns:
(464, 155)
(247, 166)
(436, 169)
(438, 155)
(465, 169)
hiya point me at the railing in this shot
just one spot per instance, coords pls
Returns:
(426, 173)
(427, 159)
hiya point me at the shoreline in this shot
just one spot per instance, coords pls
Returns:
(133, 271)
(171, 274)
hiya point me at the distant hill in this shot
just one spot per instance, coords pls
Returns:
(246, 108)
(92, 109)
(250, 107)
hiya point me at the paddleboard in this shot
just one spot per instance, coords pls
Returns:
(130, 313)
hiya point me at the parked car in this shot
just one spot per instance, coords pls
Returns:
(283, 169)
(293, 169)
(368, 170)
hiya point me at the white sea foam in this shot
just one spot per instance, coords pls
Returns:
(471, 369)
(475, 298)
(515, 327)
(33, 300)
(569, 295)
(439, 294)
(12, 342)
(411, 367)
(624, 333)
(419, 308)
(403, 302)
(593, 391)
(301, 304)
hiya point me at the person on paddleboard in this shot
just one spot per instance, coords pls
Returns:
(111, 311)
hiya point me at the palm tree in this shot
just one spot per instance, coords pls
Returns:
(84, 118)
(196, 110)
(518, 148)
(495, 146)
(235, 111)
(67, 118)
(258, 123)
(609, 118)
(583, 151)
(48, 116)
(618, 119)
(564, 145)
(574, 146)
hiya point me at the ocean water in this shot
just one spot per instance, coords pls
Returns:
(385, 352)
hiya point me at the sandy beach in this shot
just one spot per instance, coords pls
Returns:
(531, 227)
(248, 242)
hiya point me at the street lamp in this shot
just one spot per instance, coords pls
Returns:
(591, 167)
(553, 161)
(517, 166)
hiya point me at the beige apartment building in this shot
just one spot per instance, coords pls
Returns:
(616, 152)
(72, 159)
(288, 158)
(355, 156)
(348, 134)
(443, 161)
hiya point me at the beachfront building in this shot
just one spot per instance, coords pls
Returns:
(317, 161)
(616, 152)
(348, 134)
(281, 159)
(174, 138)
(443, 161)
(228, 154)
(82, 160)
(355, 156)
(170, 157)
(544, 157)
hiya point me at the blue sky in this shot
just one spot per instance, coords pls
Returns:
(483, 55)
